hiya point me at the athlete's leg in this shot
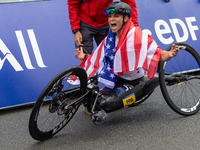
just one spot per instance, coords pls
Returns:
(111, 99)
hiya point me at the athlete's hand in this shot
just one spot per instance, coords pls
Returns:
(79, 53)
(78, 38)
(174, 51)
(167, 55)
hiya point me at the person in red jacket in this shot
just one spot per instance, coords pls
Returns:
(88, 20)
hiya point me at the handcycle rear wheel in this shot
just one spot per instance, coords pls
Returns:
(51, 111)
(182, 93)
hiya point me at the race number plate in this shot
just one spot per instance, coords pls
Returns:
(130, 99)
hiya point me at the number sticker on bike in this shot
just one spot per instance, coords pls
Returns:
(130, 99)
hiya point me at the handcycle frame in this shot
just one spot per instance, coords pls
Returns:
(143, 90)
(68, 100)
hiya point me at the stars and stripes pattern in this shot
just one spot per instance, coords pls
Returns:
(135, 49)
(106, 75)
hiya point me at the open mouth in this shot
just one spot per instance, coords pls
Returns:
(113, 24)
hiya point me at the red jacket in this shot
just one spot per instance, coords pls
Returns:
(92, 12)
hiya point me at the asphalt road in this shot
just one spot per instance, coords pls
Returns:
(149, 126)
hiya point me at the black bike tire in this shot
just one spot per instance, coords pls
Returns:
(163, 86)
(33, 129)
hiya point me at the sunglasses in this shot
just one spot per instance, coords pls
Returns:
(112, 11)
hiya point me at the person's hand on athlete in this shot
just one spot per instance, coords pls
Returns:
(78, 38)
(79, 54)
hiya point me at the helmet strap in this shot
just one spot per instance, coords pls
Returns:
(123, 23)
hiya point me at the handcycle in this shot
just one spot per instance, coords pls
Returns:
(179, 80)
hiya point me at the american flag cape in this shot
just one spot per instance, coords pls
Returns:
(135, 49)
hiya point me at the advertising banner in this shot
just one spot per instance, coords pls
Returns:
(36, 41)
(167, 23)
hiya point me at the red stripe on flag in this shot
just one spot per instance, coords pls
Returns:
(123, 36)
(122, 45)
(150, 40)
(96, 64)
(137, 45)
(154, 62)
(89, 62)
(83, 62)
(124, 57)
(145, 66)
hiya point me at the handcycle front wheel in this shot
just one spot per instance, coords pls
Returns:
(180, 80)
(52, 110)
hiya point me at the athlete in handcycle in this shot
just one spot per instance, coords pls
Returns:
(128, 86)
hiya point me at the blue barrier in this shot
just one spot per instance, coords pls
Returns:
(36, 41)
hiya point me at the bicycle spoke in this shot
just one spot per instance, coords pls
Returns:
(182, 94)
(54, 107)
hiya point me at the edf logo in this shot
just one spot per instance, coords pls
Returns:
(164, 32)
(13, 61)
